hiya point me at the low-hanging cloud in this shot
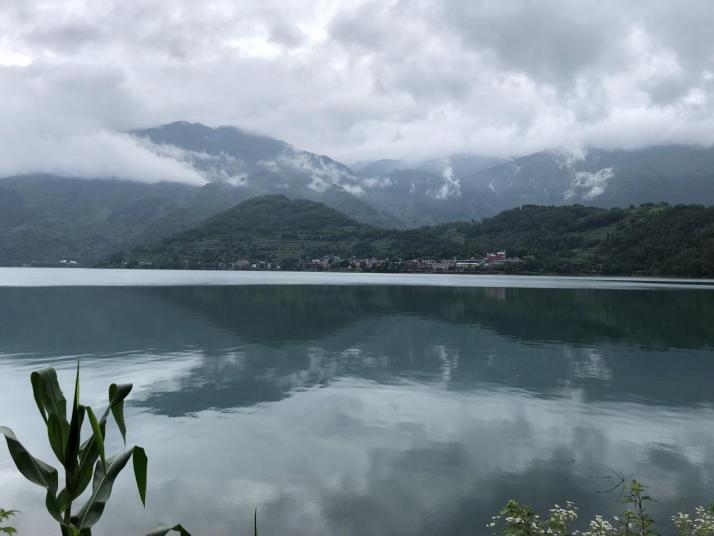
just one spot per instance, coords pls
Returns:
(362, 79)
(69, 121)
(100, 154)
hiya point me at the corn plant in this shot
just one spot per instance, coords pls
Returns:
(81, 462)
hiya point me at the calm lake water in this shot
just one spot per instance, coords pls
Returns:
(368, 404)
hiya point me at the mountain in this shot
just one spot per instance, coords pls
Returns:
(461, 164)
(270, 227)
(675, 174)
(44, 218)
(419, 197)
(379, 168)
(653, 239)
(426, 192)
(604, 178)
(258, 165)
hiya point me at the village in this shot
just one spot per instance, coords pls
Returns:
(490, 261)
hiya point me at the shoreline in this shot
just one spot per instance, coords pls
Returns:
(117, 277)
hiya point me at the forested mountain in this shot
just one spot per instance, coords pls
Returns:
(45, 218)
(258, 165)
(674, 174)
(654, 239)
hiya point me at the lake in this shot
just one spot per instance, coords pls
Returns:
(364, 404)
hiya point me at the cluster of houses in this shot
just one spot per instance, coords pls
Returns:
(490, 261)
(372, 264)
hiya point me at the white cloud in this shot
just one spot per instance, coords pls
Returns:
(323, 173)
(100, 154)
(336, 77)
(589, 185)
(451, 187)
(378, 182)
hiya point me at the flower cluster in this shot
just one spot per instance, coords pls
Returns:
(517, 519)
(701, 525)
(520, 520)
(600, 527)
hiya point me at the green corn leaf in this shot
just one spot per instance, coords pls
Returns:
(53, 507)
(69, 530)
(117, 394)
(88, 451)
(102, 484)
(98, 436)
(33, 469)
(255, 522)
(71, 452)
(62, 501)
(53, 408)
(56, 431)
(161, 531)
(85, 471)
(48, 395)
(140, 463)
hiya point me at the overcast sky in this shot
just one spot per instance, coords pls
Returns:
(351, 79)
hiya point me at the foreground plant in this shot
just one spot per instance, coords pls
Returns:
(517, 519)
(702, 524)
(82, 462)
(5, 515)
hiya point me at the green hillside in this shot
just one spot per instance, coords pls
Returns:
(45, 218)
(646, 240)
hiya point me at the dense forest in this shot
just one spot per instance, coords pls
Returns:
(652, 239)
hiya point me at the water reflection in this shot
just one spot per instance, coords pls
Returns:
(379, 410)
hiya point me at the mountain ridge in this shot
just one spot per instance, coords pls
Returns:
(39, 224)
(653, 239)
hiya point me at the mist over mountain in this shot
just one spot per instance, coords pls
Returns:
(397, 193)
(597, 177)
(45, 218)
(258, 165)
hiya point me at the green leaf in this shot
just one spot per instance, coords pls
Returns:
(48, 395)
(69, 530)
(72, 450)
(33, 469)
(140, 463)
(53, 506)
(161, 531)
(98, 436)
(7, 514)
(255, 522)
(56, 431)
(71, 453)
(53, 408)
(102, 484)
(88, 454)
(117, 394)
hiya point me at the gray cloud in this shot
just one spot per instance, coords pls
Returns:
(353, 79)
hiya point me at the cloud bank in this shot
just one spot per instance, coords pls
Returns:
(356, 79)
